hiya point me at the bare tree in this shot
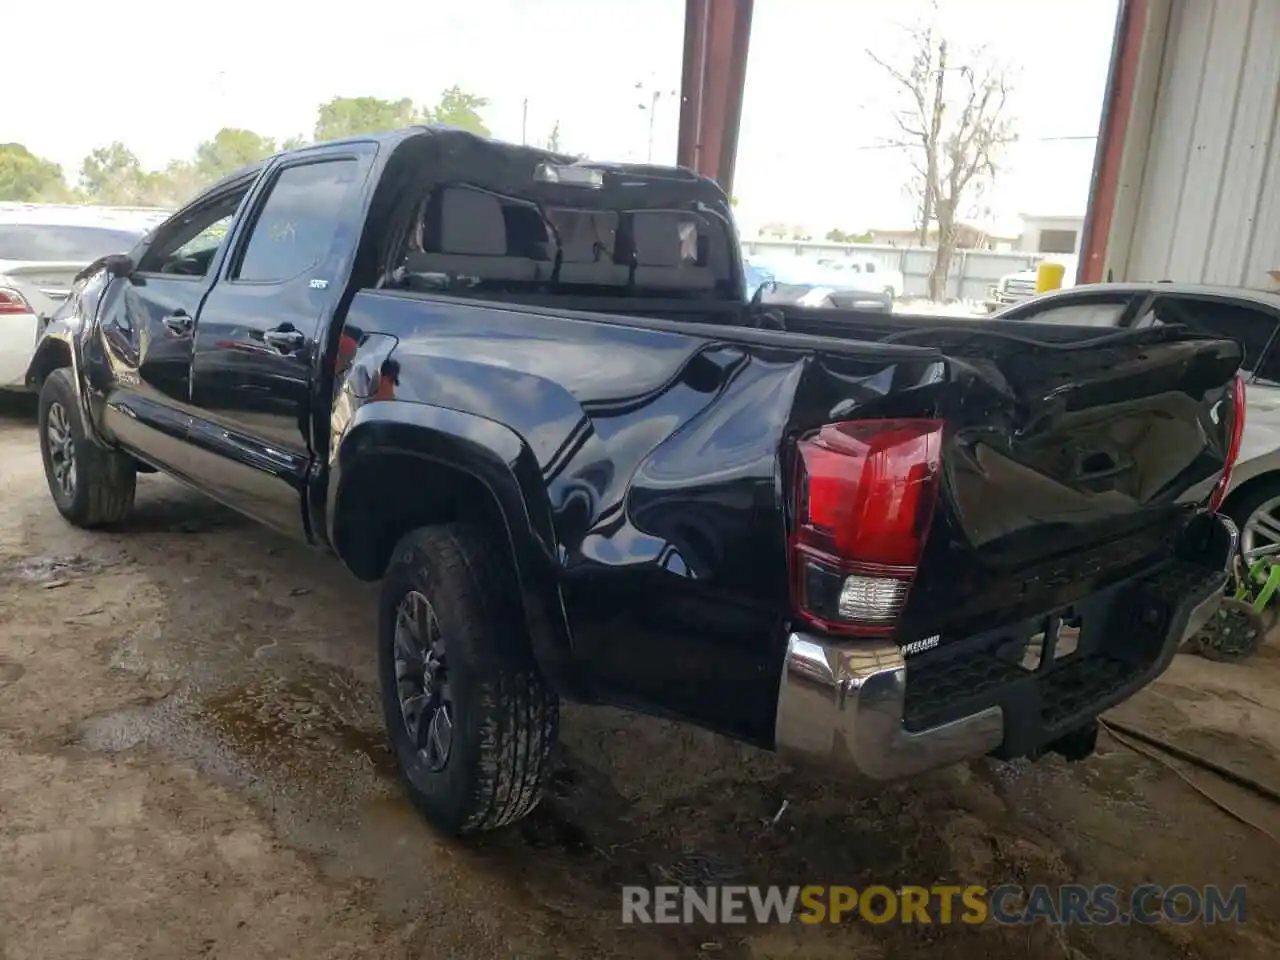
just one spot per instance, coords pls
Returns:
(954, 120)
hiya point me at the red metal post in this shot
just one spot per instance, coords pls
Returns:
(1125, 56)
(716, 36)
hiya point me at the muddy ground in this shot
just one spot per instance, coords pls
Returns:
(191, 765)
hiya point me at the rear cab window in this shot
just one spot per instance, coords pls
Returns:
(491, 227)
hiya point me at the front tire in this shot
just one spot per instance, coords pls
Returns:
(91, 486)
(470, 720)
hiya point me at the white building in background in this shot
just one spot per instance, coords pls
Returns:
(1051, 234)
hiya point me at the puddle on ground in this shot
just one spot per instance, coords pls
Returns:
(125, 729)
(52, 571)
(302, 728)
(277, 717)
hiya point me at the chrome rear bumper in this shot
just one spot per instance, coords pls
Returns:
(842, 702)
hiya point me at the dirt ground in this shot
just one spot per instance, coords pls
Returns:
(191, 765)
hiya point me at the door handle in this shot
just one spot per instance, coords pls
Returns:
(179, 323)
(284, 338)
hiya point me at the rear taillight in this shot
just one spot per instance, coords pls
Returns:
(11, 302)
(1233, 445)
(864, 497)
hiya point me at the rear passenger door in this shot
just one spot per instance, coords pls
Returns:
(257, 337)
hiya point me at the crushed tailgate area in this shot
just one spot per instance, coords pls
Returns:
(192, 765)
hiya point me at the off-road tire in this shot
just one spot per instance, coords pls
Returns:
(105, 480)
(505, 718)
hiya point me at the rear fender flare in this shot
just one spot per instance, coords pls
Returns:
(498, 458)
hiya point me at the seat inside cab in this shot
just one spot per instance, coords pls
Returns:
(670, 251)
(467, 237)
(465, 232)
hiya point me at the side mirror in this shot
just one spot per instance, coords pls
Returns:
(118, 264)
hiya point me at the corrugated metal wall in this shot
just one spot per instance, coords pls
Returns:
(1209, 205)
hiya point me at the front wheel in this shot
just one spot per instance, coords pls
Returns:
(91, 486)
(471, 721)
(1256, 513)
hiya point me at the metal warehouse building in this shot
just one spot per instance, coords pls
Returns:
(1187, 180)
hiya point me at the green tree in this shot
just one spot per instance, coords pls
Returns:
(26, 176)
(457, 108)
(113, 175)
(294, 143)
(179, 182)
(351, 116)
(230, 149)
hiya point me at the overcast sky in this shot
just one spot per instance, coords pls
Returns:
(161, 78)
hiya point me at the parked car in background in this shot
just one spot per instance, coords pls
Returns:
(864, 273)
(807, 283)
(1251, 318)
(1016, 287)
(42, 248)
(755, 278)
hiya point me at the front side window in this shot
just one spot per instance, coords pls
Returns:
(186, 246)
(207, 240)
(297, 223)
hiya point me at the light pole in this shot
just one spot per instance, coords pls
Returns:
(652, 108)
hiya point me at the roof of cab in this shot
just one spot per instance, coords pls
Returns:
(398, 136)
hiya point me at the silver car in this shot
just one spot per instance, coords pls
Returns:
(1250, 317)
(42, 248)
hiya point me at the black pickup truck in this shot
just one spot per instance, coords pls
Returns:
(530, 396)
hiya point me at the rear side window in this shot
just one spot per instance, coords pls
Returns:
(297, 223)
(1253, 329)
